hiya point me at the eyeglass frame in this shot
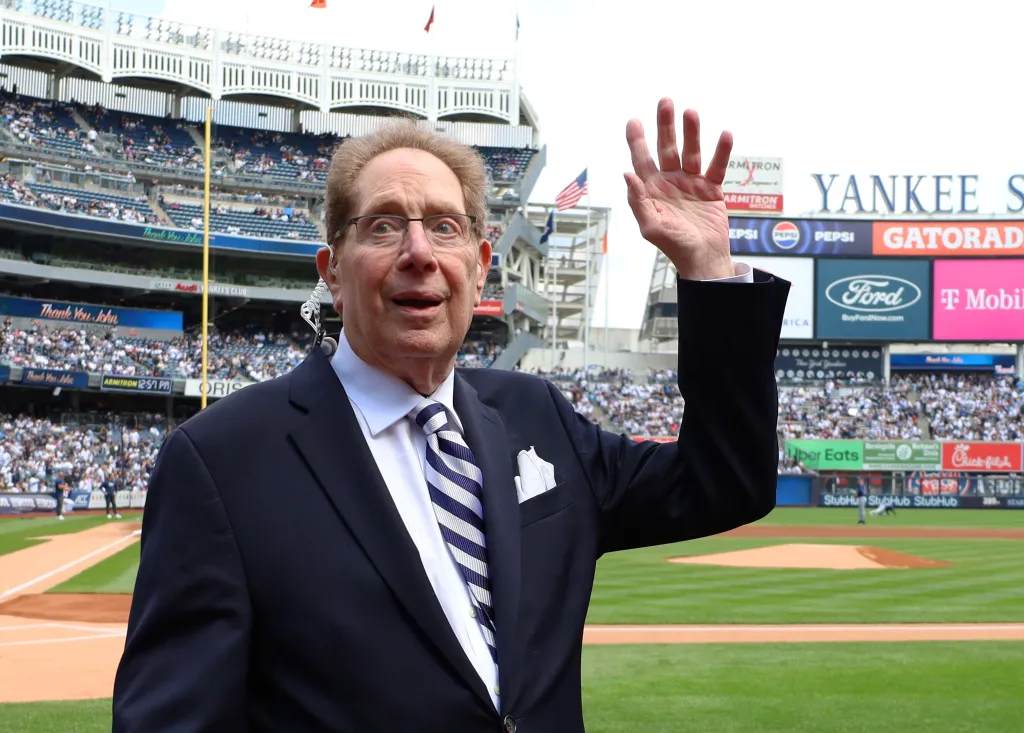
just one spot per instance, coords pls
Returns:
(408, 219)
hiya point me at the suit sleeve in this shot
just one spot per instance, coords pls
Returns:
(186, 654)
(721, 472)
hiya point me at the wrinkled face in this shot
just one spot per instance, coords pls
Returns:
(412, 299)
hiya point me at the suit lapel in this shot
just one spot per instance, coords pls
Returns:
(332, 444)
(486, 436)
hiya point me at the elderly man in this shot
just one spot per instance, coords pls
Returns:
(377, 542)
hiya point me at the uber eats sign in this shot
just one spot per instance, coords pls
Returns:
(827, 455)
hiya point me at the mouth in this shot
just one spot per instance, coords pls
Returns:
(418, 302)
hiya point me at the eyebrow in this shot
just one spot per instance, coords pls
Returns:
(391, 205)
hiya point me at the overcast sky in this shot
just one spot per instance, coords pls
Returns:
(834, 87)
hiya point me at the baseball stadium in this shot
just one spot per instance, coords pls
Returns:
(161, 203)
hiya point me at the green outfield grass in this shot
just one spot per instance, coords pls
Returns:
(964, 518)
(982, 583)
(17, 533)
(954, 687)
(115, 574)
(957, 687)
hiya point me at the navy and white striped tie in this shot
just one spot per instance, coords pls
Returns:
(454, 481)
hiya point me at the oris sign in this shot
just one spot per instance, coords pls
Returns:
(865, 299)
(975, 456)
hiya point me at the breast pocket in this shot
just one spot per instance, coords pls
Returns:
(552, 501)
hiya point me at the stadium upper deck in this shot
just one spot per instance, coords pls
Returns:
(102, 136)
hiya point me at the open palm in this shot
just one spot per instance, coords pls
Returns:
(679, 210)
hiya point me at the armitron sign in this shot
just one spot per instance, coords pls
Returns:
(977, 456)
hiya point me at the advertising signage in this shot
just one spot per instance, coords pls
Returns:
(827, 455)
(891, 455)
(54, 378)
(796, 363)
(976, 300)
(998, 363)
(808, 237)
(121, 383)
(967, 455)
(872, 300)
(53, 310)
(949, 238)
(798, 320)
(753, 184)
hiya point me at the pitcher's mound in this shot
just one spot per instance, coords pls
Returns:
(821, 557)
(94, 607)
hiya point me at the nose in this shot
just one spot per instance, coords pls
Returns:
(416, 251)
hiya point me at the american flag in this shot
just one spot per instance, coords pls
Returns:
(571, 194)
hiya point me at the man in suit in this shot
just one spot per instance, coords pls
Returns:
(345, 549)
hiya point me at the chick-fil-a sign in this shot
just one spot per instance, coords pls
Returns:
(978, 300)
(964, 455)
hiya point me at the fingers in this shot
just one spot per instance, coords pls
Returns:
(643, 164)
(691, 142)
(636, 197)
(720, 161)
(668, 153)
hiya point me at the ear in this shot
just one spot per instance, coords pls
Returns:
(483, 266)
(327, 267)
(325, 264)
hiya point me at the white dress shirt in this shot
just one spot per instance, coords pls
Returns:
(381, 402)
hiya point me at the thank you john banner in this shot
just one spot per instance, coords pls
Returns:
(54, 378)
(62, 311)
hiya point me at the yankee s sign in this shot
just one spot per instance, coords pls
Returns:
(909, 194)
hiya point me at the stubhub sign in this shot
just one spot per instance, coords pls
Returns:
(817, 237)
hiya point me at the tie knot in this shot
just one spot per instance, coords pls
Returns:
(431, 416)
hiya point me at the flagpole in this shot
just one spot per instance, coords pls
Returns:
(607, 284)
(586, 285)
(204, 383)
(554, 300)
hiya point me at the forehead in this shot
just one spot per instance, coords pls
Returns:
(410, 181)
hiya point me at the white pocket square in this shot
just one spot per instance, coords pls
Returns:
(535, 475)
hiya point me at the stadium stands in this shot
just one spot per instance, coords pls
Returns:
(36, 451)
(282, 223)
(78, 201)
(278, 155)
(153, 140)
(45, 124)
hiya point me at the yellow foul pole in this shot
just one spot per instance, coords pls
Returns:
(206, 251)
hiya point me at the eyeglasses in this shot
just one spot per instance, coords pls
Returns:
(386, 230)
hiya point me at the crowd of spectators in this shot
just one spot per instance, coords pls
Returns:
(71, 201)
(45, 124)
(36, 452)
(252, 356)
(478, 351)
(912, 406)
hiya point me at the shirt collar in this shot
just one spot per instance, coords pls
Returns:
(382, 398)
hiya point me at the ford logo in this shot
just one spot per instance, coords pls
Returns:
(873, 293)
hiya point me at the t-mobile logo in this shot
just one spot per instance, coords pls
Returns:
(950, 298)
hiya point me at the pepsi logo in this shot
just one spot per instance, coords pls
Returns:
(785, 235)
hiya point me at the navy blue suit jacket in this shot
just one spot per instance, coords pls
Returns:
(279, 590)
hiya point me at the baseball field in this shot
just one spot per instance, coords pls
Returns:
(802, 622)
